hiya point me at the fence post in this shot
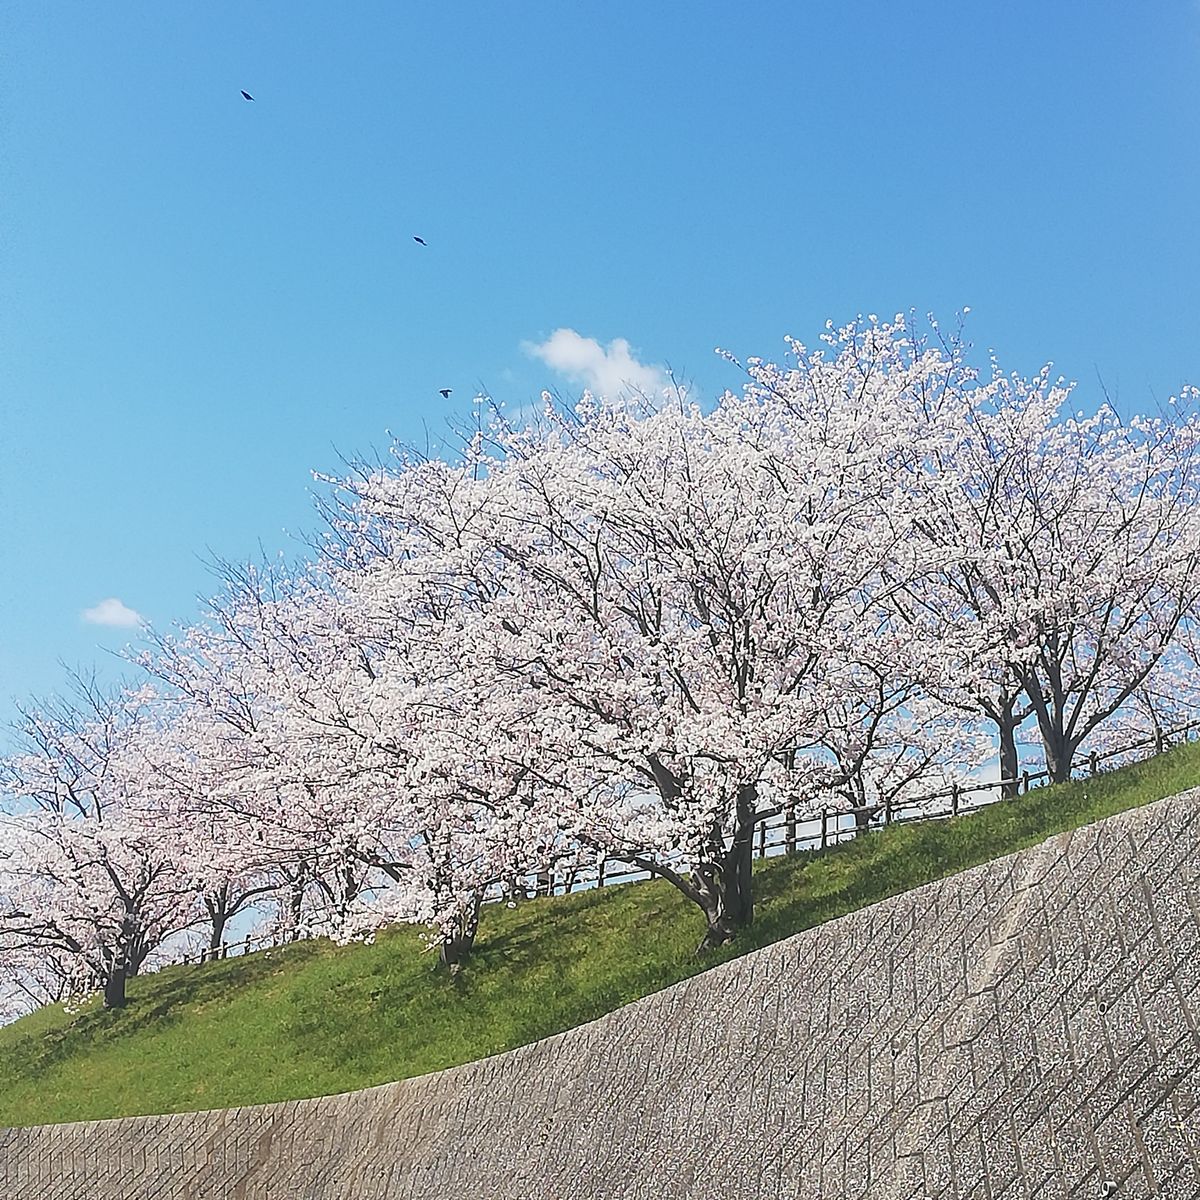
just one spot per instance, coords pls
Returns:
(824, 828)
(762, 839)
(789, 837)
(247, 949)
(954, 799)
(1093, 762)
(1158, 741)
(600, 872)
(1024, 781)
(887, 811)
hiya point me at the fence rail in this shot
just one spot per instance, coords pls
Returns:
(781, 833)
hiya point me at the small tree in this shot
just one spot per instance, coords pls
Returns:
(82, 881)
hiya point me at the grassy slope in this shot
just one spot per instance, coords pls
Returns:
(316, 1018)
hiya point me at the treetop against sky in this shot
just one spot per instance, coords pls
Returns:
(205, 298)
(632, 631)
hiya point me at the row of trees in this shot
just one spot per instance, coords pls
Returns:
(627, 631)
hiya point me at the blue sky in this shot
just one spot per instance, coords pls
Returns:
(202, 299)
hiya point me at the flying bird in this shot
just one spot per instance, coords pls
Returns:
(246, 95)
(419, 239)
(445, 393)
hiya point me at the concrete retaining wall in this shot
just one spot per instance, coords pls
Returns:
(1028, 1028)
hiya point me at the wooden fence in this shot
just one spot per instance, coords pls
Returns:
(788, 831)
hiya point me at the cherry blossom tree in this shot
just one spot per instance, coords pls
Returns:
(1070, 561)
(1162, 711)
(188, 763)
(1116, 568)
(892, 745)
(971, 515)
(32, 977)
(666, 600)
(343, 726)
(629, 630)
(82, 881)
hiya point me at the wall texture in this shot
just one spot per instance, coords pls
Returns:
(1028, 1028)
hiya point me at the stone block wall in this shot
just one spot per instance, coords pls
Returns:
(1028, 1028)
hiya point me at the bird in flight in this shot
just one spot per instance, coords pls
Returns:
(246, 95)
(420, 239)
(445, 393)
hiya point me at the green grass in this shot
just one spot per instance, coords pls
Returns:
(317, 1018)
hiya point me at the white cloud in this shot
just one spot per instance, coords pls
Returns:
(610, 371)
(112, 612)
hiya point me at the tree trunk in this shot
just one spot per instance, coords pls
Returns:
(722, 886)
(726, 886)
(114, 987)
(1002, 712)
(864, 814)
(1058, 748)
(1059, 756)
(1049, 704)
(218, 916)
(459, 940)
(132, 947)
(295, 904)
(1008, 756)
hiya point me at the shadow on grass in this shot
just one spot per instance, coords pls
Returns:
(153, 1000)
(549, 964)
(800, 891)
(339, 1018)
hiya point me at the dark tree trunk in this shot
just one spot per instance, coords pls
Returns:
(458, 942)
(864, 814)
(1057, 746)
(1059, 756)
(218, 917)
(1003, 713)
(114, 988)
(295, 905)
(1008, 756)
(132, 947)
(1048, 700)
(722, 886)
(726, 886)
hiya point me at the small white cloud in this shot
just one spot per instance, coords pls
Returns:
(610, 371)
(112, 612)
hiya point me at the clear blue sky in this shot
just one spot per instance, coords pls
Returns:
(201, 297)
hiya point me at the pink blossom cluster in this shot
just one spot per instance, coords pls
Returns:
(623, 631)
